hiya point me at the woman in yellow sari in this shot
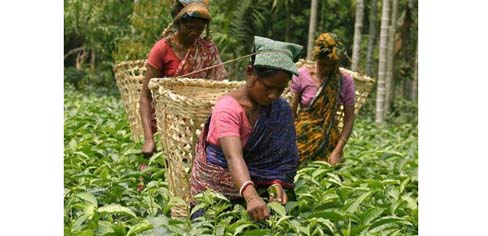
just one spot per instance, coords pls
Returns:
(319, 90)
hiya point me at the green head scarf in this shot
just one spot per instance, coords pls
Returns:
(276, 54)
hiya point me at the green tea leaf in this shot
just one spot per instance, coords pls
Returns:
(241, 227)
(117, 209)
(411, 203)
(371, 215)
(258, 232)
(290, 205)
(354, 206)
(89, 211)
(80, 153)
(331, 228)
(104, 227)
(87, 232)
(278, 208)
(388, 220)
(77, 225)
(143, 226)
(219, 230)
(334, 216)
(88, 197)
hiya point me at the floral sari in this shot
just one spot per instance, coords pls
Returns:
(316, 126)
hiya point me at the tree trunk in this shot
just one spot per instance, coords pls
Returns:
(323, 11)
(358, 26)
(413, 91)
(311, 28)
(380, 92)
(371, 37)
(389, 88)
(80, 59)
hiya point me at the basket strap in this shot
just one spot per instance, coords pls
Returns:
(229, 61)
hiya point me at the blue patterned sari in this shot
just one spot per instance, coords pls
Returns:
(270, 153)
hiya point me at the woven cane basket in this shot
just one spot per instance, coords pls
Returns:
(363, 85)
(129, 76)
(182, 107)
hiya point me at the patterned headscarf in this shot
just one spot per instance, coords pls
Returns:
(186, 2)
(276, 54)
(328, 44)
(194, 9)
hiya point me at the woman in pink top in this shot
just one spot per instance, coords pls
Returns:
(248, 143)
(319, 91)
(177, 55)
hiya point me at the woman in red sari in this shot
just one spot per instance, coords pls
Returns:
(178, 54)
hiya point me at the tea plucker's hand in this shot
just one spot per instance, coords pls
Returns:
(277, 194)
(148, 148)
(257, 208)
(335, 158)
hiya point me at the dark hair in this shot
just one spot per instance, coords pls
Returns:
(263, 71)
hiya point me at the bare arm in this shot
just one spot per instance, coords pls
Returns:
(232, 148)
(294, 104)
(145, 110)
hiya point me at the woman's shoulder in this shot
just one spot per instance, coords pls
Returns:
(303, 70)
(346, 75)
(226, 99)
(304, 75)
(229, 102)
(161, 44)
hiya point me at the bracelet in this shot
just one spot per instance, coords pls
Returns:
(343, 139)
(244, 185)
(251, 198)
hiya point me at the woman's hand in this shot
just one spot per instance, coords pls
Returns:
(335, 158)
(148, 148)
(257, 208)
(277, 194)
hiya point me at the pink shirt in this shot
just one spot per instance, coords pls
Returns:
(163, 58)
(303, 83)
(228, 119)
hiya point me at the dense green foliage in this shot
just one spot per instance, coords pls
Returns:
(113, 31)
(373, 193)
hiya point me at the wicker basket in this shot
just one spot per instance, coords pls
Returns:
(363, 85)
(182, 107)
(129, 76)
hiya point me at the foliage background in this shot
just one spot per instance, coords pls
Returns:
(107, 32)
